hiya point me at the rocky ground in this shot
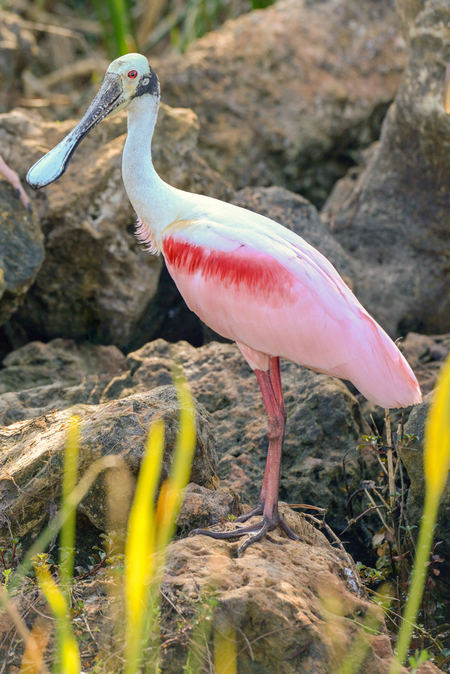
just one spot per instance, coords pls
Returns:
(298, 107)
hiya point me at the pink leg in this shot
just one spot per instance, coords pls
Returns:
(268, 503)
(275, 380)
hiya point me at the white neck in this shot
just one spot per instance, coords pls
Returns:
(152, 199)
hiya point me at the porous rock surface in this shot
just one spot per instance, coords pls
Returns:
(31, 454)
(394, 217)
(323, 420)
(21, 250)
(96, 280)
(40, 378)
(291, 607)
(289, 94)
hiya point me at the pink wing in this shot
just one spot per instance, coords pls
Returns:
(285, 299)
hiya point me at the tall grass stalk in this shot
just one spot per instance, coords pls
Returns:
(150, 530)
(68, 654)
(436, 463)
(69, 481)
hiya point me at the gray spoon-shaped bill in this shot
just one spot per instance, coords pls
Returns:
(52, 165)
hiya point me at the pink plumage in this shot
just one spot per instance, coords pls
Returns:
(299, 309)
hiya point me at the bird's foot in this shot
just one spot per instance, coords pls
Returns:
(257, 510)
(255, 532)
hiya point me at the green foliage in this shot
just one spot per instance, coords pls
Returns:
(116, 21)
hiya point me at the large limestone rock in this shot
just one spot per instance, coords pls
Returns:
(291, 607)
(323, 421)
(96, 281)
(289, 94)
(31, 454)
(40, 378)
(395, 217)
(21, 250)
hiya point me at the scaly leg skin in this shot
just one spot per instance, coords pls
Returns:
(275, 380)
(12, 177)
(268, 502)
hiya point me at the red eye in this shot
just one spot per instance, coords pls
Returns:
(132, 74)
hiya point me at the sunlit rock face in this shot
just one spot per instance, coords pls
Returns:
(289, 95)
(394, 217)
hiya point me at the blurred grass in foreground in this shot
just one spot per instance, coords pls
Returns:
(150, 530)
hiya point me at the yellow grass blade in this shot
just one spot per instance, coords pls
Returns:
(67, 539)
(35, 647)
(140, 544)
(171, 493)
(436, 463)
(225, 657)
(436, 456)
(446, 96)
(67, 645)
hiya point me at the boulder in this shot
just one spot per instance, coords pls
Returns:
(21, 250)
(291, 607)
(40, 378)
(289, 95)
(97, 281)
(31, 455)
(324, 421)
(394, 219)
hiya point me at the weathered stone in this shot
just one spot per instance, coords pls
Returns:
(323, 421)
(202, 508)
(290, 600)
(97, 281)
(21, 250)
(291, 607)
(395, 220)
(288, 95)
(31, 454)
(40, 378)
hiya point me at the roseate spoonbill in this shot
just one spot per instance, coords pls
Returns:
(245, 276)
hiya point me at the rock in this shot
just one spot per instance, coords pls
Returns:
(40, 378)
(412, 458)
(290, 606)
(288, 95)
(18, 49)
(324, 422)
(96, 281)
(395, 220)
(31, 458)
(21, 249)
(202, 508)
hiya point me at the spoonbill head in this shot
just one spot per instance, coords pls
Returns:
(126, 78)
(247, 277)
